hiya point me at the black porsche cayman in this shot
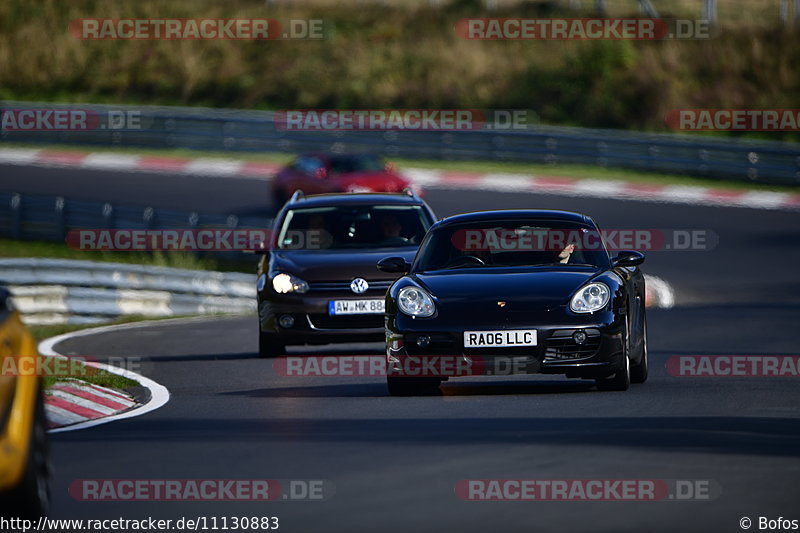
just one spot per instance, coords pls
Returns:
(509, 292)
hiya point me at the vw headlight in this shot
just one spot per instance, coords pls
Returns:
(413, 301)
(283, 283)
(591, 298)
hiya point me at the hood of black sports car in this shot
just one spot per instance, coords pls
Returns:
(339, 265)
(506, 291)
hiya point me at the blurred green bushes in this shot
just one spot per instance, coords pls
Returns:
(405, 56)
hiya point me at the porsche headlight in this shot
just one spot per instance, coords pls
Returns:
(283, 283)
(590, 298)
(413, 301)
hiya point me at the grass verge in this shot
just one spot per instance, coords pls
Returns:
(10, 249)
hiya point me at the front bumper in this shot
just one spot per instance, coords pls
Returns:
(311, 322)
(413, 347)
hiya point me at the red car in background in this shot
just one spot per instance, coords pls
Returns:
(334, 173)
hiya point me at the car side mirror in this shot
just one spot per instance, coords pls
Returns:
(394, 265)
(628, 258)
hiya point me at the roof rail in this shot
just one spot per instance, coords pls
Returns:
(411, 192)
(298, 195)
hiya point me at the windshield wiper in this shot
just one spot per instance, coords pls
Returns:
(470, 265)
(567, 264)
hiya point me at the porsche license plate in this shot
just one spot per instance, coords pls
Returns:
(356, 307)
(506, 338)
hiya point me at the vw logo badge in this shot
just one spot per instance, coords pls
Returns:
(359, 285)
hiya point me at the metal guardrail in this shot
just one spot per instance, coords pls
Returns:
(57, 291)
(51, 291)
(254, 131)
(50, 218)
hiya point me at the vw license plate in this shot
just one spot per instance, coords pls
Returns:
(356, 307)
(506, 338)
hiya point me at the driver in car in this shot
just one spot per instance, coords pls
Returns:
(391, 228)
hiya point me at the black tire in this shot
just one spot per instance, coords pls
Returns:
(639, 371)
(621, 380)
(269, 346)
(31, 498)
(403, 386)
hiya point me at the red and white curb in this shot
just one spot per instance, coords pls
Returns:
(74, 401)
(72, 405)
(204, 166)
(434, 179)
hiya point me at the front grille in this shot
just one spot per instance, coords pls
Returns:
(560, 345)
(321, 321)
(335, 286)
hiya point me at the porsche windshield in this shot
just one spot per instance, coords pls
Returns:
(512, 244)
(353, 226)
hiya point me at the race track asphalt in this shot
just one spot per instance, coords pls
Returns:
(395, 462)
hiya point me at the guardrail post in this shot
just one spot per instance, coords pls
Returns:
(148, 217)
(16, 216)
(61, 217)
(108, 216)
(194, 221)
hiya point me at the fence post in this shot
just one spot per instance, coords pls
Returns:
(16, 216)
(61, 217)
(710, 11)
(784, 13)
(647, 8)
(600, 7)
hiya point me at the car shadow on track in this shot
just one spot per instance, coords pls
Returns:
(501, 388)
(378, 389)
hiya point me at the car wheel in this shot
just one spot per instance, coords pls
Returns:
(621, 380)
(639, 371)
(402, 386)
(268, 346)
(31, 498)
